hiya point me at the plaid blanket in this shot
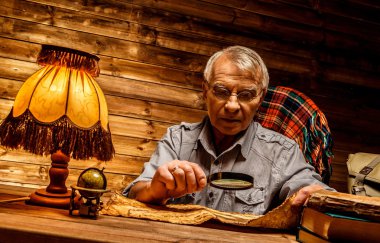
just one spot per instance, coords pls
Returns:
(296, 116)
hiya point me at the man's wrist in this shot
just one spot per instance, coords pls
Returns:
(153, 195)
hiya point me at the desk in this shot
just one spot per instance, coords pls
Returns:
(27, 223)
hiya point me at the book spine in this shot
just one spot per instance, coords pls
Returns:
(345, 203)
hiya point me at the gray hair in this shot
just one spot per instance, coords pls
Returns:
(245, 59)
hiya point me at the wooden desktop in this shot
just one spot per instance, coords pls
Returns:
(28, 223)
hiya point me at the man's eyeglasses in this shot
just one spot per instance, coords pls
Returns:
(245, 96)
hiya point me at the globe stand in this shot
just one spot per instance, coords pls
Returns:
(91, 185)
(56, 194)
(87, 206)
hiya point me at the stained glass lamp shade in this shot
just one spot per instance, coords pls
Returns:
(60, 110)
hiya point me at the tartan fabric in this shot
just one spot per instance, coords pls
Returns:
(296, 116)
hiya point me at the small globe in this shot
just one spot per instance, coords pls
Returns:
(91, 178)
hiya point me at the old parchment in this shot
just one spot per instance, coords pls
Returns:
(282, 217)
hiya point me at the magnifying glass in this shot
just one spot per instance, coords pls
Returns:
(231, 180)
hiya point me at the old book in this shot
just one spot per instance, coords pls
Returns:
(346, 204)
(337, 227)
(306, 236)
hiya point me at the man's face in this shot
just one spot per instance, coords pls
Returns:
(230, 114)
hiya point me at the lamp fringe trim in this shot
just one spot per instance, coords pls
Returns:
(65, 57)
(27, 133)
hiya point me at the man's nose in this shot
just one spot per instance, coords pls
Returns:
(232, 104)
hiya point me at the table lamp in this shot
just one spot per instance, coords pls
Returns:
(60, 111)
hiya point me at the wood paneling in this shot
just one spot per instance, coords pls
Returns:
(152, 54)
(115, 86)
(19, 173)
(92, 43)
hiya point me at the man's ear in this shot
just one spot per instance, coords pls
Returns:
(263, 95)
(205, 89)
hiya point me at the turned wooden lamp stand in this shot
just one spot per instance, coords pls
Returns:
(56, 193)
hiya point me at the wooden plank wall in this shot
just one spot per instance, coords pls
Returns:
(152, 54)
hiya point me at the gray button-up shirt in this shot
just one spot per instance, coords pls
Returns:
(273, 160)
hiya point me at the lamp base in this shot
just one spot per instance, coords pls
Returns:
(57, 200)
(55, 194)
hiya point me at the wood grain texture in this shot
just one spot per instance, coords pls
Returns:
(275, 10)
(152, 54)
(171, 21)
(26, 51)
(119, 164)
(56, 225)
(18, 173)
(96, 44)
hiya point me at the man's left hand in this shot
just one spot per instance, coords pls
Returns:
(304, 193)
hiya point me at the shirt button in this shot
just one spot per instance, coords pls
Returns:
(216, 162)
(211, 194)
(263, 136)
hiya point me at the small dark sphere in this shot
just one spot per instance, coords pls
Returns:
(91, 178)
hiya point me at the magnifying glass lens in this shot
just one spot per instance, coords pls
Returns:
(231, 180)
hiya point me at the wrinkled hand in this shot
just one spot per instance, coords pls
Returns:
(304, 193)
(175, 179)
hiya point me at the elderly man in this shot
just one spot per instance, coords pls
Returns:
(236, 80)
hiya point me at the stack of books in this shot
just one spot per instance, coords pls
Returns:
(340, 217)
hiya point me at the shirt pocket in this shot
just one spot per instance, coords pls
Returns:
(249, 201)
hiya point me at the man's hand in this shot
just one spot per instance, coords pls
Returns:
(173, 179)
(304, 193)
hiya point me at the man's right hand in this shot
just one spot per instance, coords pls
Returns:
(171, 180)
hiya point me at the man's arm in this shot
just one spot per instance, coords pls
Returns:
(302, 178)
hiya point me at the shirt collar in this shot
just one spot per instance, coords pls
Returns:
(205, 137)
(245, 141)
